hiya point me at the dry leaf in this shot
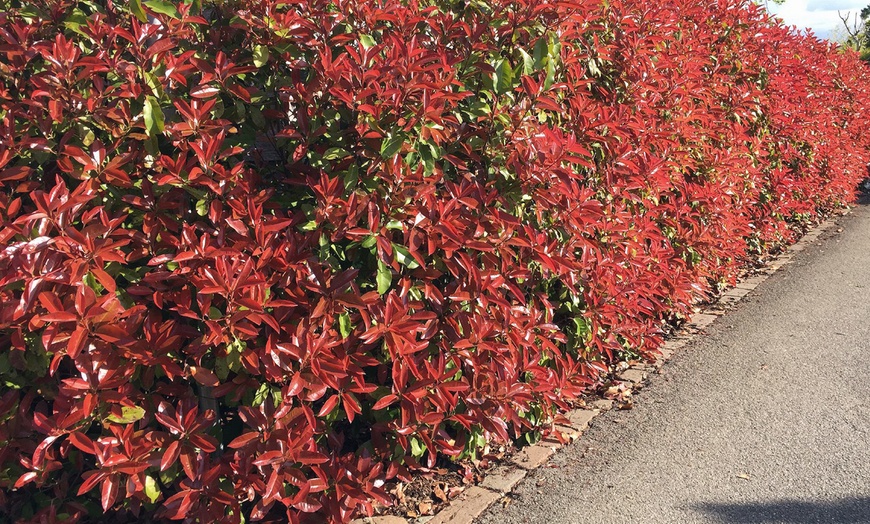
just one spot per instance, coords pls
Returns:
(399, 492)
(439, 491)
(424, 507)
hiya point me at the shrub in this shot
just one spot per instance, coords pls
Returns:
(263, 256)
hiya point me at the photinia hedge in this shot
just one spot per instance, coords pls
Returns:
(260, 257)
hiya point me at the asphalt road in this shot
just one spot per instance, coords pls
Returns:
(765, 419)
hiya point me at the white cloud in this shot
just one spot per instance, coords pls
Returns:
(818, 15)
(832, 5)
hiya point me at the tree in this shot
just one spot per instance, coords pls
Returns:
(857, 31)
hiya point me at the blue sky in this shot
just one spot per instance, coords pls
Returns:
(819, 15)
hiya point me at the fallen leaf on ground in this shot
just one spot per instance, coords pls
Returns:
(439, 491)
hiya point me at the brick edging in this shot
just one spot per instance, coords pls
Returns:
(501, 479)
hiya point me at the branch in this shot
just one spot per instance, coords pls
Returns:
(853, 31)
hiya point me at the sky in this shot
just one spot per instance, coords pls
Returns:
(819, 15)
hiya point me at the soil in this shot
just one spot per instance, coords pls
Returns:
(429, 491)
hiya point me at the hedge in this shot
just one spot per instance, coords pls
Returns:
(263, 256)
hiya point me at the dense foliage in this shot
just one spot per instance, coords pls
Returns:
(261, 256)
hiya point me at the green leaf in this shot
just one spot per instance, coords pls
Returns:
(540, 52)
(344, 325)
(261, 55)
(257, 117)
(427, 158)
(153, 116)
(151, 146)
(163, 7)
(503, 77)
(234, 361)
(236, 346)
(418, 448)
(554, 49)
(202, 207)
(369, 242)
(89, 280)
(551, 75)
(138, 12)
(168, 477)
(581, 327)
(392, 145)
(367, 41)
(335, 153)
(404, 257)
(311, 225)
(5, 367)
(75, 21)
(89, 138)
(384, 278)
(528, 62)
(128, 415)
(30, 13)
(153, 83)
(151, 489)
(261, 394)
(221, 368)
(197, 6)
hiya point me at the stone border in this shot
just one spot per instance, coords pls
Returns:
(501, 479)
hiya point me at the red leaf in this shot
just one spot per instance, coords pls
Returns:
(82, 442)
(160, 46)
(170, 455)
(309, 505)
(311, 457)
(240, 92)
(268, 458)
(243, 439)
(204, 376)
(328, 406)
(24, 479)
(204, 91)
(203, 442)
(105, 279)
(385, 401)
(109, 491)
(15, 173)
(296, 385)
(188, 463)
(77, 341)
(91, 479)
(179, 505)
(59, 316)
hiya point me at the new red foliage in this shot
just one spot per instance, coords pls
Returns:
(262, 256)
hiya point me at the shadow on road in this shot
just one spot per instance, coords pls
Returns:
(852, 510)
